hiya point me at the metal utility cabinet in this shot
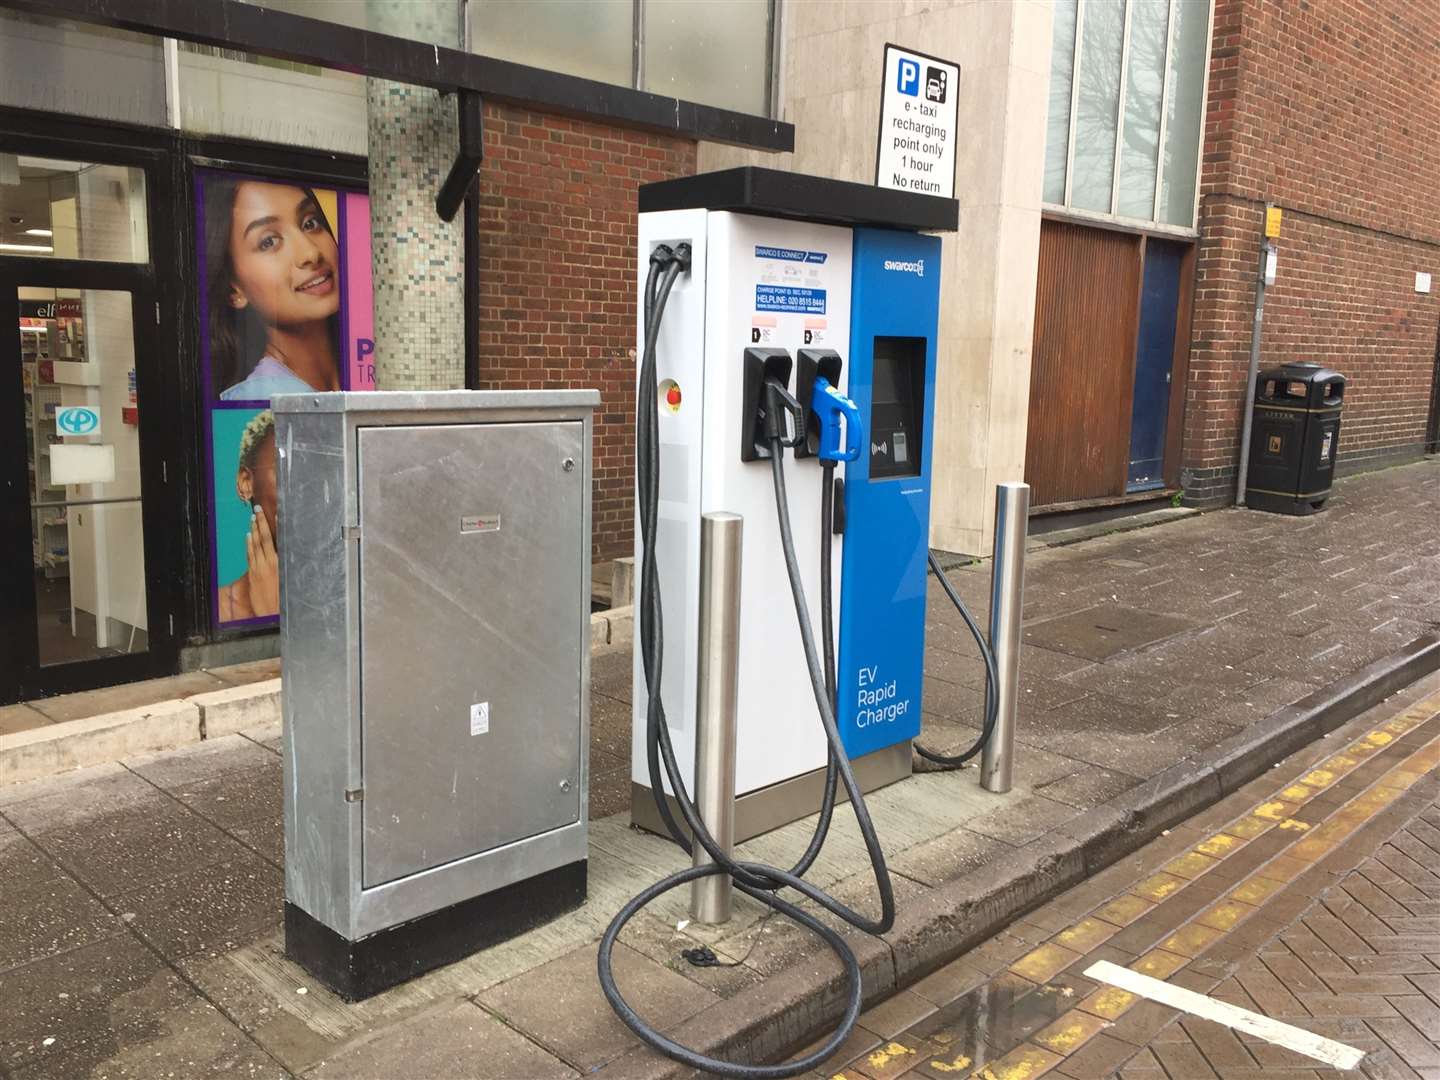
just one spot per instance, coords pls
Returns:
(435, 601)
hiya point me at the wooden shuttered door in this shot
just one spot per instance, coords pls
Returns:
(1083, 363)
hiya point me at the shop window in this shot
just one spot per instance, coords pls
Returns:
(590, 38)
(225, 92)
(64, 67)
(436, 22)
(1126, 105)
(697, 50)
(72, 210)
(715, 53)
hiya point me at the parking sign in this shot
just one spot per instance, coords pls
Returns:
(915, 150)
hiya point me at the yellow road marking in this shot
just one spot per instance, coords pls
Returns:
(1158, 886)
(1020, 1064)
(1219, 845)
(1192, 939)
(888, 1053)
(1190, 865)
(1109, 1002)
(1070, 1031)
(1044, 963)
(956, 1064)
(1159, 964)
(1086, 934)
(1124, 909)
(1225, 915)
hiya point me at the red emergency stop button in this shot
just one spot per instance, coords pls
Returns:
(670, 395)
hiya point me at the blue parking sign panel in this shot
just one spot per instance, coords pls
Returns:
(908, 80)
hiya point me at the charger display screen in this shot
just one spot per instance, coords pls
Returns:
(897, 406)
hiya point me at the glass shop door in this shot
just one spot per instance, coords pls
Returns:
(76, 551)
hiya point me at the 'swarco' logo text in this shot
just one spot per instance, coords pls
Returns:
(917, 267)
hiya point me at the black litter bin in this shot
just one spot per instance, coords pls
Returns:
(1293, 438)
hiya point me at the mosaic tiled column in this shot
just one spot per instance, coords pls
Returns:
(418, 261)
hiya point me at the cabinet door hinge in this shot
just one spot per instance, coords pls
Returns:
(355, 794)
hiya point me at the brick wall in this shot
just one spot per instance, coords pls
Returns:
(1332, 111)
(557, 273)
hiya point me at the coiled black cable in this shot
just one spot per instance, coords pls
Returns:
(992, 699)
(756, 880)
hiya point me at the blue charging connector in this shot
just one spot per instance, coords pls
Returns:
(828, 405)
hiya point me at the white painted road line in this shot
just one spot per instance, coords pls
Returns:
(1301, 1041)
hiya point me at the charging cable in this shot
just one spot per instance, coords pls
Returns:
(992, 680)
(759, 881)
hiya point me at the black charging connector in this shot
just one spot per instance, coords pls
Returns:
(765, 403)
(810, 364)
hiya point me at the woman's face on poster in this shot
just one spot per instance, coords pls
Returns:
(284, 256)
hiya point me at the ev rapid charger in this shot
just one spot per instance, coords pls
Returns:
(808, 271)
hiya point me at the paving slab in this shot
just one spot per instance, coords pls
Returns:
(213, 908)
(86, 1002)
(591, 1034)
(126, 696)
(138, 845)
(194, 1042)
(48, 913)
(72, 801)
(452, 1041)
(1104, 630)
(174, 769)
(21, 717)
(240, 799)
(251, 672)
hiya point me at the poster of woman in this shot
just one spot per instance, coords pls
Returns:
(285, 308)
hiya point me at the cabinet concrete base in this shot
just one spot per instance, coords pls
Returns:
(361, 969)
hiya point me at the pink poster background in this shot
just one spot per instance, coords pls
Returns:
(360, 312)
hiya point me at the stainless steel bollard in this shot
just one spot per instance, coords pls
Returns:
(716, 688)
(1007, 589)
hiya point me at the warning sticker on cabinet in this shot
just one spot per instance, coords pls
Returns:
(790, 298)
(480, 718)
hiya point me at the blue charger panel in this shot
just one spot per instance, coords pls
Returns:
(895, 305)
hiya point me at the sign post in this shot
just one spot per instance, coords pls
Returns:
(915, 148)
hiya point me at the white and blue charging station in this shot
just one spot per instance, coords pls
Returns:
(795, 278)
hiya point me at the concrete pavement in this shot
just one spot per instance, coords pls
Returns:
(141, 935)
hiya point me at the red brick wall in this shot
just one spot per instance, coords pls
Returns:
(1332, 111)
(557, 276)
